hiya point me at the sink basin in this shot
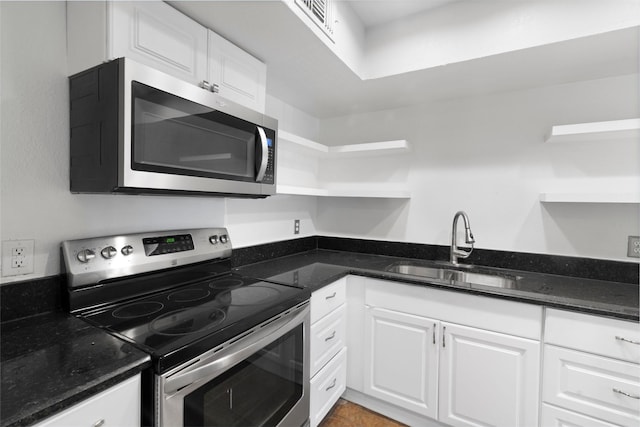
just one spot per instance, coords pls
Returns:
(473, 278)
(483, 279)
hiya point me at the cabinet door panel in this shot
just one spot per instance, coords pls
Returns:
(401, 360)
(157, 35)
(585, 383)
(240, 77)
(487, 378)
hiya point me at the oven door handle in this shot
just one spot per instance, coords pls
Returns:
(221, 361)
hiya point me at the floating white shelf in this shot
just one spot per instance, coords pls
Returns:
(615, 130)
(304, 149)
(620, 198)
(365, 149)
(344, 192)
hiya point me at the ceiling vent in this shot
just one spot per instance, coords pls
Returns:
(321, 12)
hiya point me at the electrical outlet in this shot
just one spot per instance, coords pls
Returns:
(296, 226)
(17, 257)
(633, 247)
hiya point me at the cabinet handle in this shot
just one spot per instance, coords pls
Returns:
(333, 384)
(627, 340)
(615, 390)
(444, 330)
(331, 296)
(434, 333)
(99, 423)
(333, 335)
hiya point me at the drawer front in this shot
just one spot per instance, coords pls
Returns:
(604, 388)
(327, 299)
(553, 416)
(327, 387)
(328, 336)
(117, 406)
(599, 335)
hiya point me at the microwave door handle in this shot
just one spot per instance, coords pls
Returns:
(264, 155)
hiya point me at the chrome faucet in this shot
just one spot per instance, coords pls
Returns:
(468, 237)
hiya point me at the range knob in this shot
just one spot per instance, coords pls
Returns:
(213, 240)
(108, 252)
(86, 255)
(127, 250)
(224, 238)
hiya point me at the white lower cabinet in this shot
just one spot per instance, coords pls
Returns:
(328, 358)
(591, 370)
(327, 386)
(487, 378)
(552, 416)
(116, 406)
(423, 353)
(401, 366)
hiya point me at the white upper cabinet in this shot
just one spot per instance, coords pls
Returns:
(152, 33)
(239, 76)
(155, 34)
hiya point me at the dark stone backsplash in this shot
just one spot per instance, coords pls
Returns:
(614, 271)
(31, 297)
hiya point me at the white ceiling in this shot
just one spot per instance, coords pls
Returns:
(376, 12)
(303, 72)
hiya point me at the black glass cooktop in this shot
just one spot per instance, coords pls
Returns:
(176, 325)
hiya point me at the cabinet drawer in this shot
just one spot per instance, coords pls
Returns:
(593, 334)
(328, 386)
(587, 383)
(327, 299)
(116, 406)
(553, 416)
(328, 336)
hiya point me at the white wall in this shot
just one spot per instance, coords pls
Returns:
(466, 30)
(34, 150)
(487, 156)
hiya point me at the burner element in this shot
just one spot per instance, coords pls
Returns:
(137, 309)
(188, 295)
(253, 295)
(187, 321)
(225, 283)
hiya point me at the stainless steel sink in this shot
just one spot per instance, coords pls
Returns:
(447, 274)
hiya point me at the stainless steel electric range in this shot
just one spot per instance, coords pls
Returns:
(227, 350)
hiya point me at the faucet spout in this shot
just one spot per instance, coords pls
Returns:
(455, 251)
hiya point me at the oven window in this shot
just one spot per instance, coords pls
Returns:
(259, 391)
(173, 135)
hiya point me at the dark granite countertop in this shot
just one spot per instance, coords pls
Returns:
(54, 360)
(318, 267)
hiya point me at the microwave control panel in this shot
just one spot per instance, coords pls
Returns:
(271, 149)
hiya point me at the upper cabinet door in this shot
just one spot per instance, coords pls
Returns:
(157, 35)
(488, 378)
(240, 77)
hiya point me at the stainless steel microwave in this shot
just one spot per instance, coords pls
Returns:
(137, 130)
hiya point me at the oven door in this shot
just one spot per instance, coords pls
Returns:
(261, 379)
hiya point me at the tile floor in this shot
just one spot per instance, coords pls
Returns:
(347, 414)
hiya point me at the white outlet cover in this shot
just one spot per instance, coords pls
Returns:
(8, 247)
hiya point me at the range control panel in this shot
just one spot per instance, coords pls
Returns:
(88, 261)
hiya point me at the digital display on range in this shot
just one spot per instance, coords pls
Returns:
(167, 244)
